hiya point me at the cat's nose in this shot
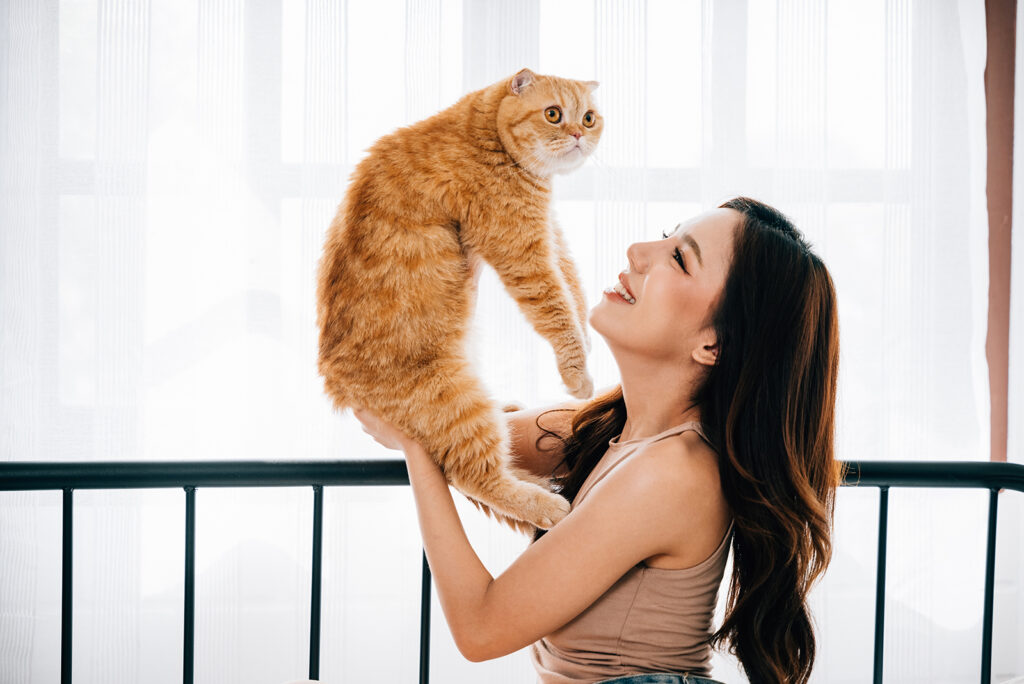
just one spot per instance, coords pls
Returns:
(576, 134)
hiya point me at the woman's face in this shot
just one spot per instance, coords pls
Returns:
(669, 315)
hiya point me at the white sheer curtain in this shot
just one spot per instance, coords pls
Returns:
(1013, 514)
(168, 169)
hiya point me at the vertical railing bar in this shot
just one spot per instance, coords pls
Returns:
(425, 623)
(190, 585)
(883, 521)
(990, 575)
(314, 608)
(67, 543)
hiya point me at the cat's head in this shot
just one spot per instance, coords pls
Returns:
(548, 124)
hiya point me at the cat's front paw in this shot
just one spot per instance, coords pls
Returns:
(579, 383)
(572, 366)
(584, 391)
(548, 511)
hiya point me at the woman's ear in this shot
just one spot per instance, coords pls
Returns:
(706, 352)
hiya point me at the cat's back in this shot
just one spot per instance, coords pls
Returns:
(393, 251)
(415, 157)
(437, 166)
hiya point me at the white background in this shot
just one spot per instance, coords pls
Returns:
(168, 170)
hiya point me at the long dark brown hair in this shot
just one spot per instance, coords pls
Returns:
(768, 408)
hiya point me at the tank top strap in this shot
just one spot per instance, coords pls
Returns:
(674, 430)
(630, 446)
(680, 429)
(696, 426)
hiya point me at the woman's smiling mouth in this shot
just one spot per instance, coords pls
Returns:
(623, 293)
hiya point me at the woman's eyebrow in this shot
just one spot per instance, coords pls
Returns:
(689, 239)
(696, 248)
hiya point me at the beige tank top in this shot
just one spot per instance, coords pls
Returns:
(650, 620)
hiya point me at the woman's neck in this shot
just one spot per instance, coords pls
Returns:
(654, 408)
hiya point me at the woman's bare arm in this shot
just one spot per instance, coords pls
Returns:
(525, 436)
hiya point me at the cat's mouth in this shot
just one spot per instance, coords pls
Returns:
(575, 148)
(562, 159)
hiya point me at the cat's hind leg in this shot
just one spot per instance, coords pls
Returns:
(450, 414)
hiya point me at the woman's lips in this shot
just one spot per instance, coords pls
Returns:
(622, 279)
(615, 296)
(622, 293)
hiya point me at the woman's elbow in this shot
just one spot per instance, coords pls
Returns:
(470, 650)
(477, 647)
(472, 656)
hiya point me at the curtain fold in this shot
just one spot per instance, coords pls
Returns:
(1011, 531)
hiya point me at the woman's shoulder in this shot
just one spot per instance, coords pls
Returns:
(679, 464)
(677, 469)
(682, 478)
(685, 455)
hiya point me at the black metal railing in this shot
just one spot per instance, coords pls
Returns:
(942, 474)
(23, 476)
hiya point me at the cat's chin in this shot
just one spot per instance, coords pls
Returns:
(568, 165)
(553, 165)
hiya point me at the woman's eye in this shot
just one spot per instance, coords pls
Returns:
(679, 257)
(553, 114)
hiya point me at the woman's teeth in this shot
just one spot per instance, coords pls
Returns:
(621, 290)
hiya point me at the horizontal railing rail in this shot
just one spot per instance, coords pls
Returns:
(943, 474)
(190, 475)
(37, 475)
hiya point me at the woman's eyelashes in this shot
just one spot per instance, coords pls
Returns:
(679, 258)
(677, 255)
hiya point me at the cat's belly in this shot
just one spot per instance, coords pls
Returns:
(402, 312)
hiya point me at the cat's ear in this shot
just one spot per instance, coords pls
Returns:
(521, 80)
(591, 85)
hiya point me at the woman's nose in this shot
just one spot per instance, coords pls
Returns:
(635, 255)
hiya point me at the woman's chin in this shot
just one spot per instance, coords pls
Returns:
(598, 317)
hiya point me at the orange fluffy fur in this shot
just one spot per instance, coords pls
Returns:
(396, 283)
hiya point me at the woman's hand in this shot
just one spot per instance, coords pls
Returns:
(389, 436)
(386, 434)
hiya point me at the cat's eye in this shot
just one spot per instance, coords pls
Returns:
(553, 114)
(589, 119)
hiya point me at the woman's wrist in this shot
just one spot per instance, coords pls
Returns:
(414, 451)
(419, 462)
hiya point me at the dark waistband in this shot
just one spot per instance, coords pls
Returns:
(661, 678)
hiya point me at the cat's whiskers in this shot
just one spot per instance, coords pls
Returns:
(564, 151)
(597, 161)
(529, 159)
(537, 164)
(532, 161)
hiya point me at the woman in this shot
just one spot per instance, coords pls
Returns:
(726, 337)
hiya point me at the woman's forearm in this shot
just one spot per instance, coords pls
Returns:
(460, 578)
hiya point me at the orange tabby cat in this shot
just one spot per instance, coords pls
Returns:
(396, 283)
